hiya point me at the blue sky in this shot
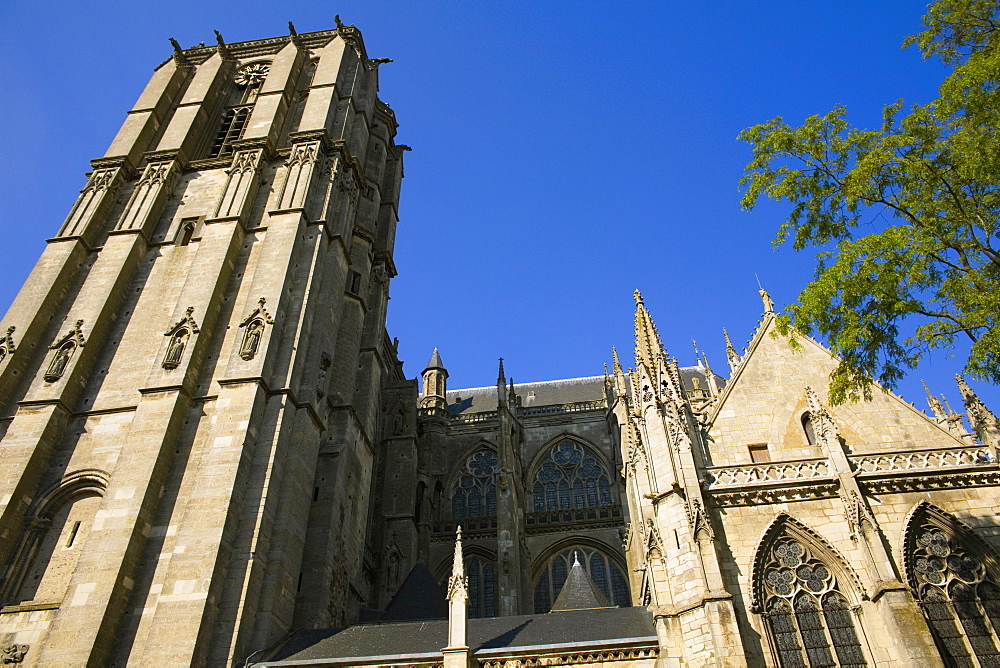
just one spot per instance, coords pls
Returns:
(564, 154)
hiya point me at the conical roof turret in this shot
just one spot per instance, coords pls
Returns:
(435, 362)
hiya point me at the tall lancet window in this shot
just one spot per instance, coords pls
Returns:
(482, 587)
(474, 492)
(955, 577)
(808, 618)
(570, 476)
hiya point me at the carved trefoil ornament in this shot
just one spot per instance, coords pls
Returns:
(64, 349)
(179, 335)
(7, 344)
(253, 326)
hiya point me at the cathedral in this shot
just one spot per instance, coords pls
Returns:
(213, 456)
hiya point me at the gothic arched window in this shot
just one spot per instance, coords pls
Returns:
(809, 620)
(602, 570)
(570, 476)
(474, 493)
(482, 587)
(956, 583)
(807, 427)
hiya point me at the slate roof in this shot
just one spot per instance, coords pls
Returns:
(552, 392)
(419, 597)
(579, 592)
(378, 643)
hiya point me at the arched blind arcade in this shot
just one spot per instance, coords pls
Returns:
(959, 597)
(602, 570)
(809, 620)
(474, 493)
(570, 476)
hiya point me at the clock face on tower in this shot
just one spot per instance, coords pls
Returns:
(252, 74)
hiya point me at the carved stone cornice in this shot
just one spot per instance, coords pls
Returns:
(768, 496)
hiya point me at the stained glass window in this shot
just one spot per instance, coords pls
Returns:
(474, 493)
(808, 618)
(570, 476)
(482, 587)
(959, 598)
(602, 570)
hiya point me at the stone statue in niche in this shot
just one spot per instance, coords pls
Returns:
(321, 382)
(179, 335)
(175, 349)
(251, 339)
(57, 367)
(254, 326)
(392, 572)
(64, 347)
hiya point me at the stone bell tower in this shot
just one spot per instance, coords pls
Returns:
(191, 375)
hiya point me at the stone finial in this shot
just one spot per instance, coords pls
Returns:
(637, 296)
(291, 29)
(336, 20)
(768, 302)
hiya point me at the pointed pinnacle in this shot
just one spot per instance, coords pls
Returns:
(638, 296)
(501, 378)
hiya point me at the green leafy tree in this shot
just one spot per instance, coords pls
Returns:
(905, 215)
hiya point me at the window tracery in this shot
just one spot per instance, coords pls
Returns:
(570, 476)
(808, 618)
(958, 594)
(474, 493)
(602, 570)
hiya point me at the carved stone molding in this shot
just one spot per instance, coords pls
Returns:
(767, 496)
(931, 482)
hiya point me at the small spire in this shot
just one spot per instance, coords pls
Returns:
(933, 402)
(617, 365)
(713, 384)
(648, 347)
(501, 378)
(731, 355)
